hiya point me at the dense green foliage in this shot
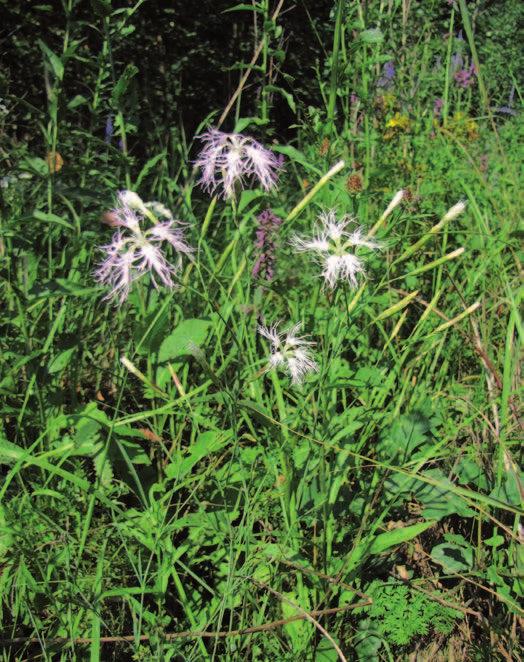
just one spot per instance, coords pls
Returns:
(167, 495)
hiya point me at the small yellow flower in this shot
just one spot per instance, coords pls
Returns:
(396, 124)
(398, 121)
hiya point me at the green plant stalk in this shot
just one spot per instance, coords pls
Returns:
(311, 194)
(445, 105)
(471, 42)
(334, 66)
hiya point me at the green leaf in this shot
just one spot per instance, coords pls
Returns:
(123, 83)
(60, 361)
(243, 122)
(78, 100)
(397, 536)
(242, 6)
(406, 434)
(177, 344)
(207, 443)
(287, 96)
(441, 501)
(372, 36)
(6, 536)
(9, 452)
(297, 156)
(34, 164)
(148, 167)
(300, 632)
(452, 557)
(57, 66)
(47, 217)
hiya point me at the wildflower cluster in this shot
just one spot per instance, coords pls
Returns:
(226, 160)
(135, 251)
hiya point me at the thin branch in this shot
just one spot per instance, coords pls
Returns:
(190, 634)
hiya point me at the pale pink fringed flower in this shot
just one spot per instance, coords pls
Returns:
(289, 351)
(331, 243)
(229, 158)
(134, 251)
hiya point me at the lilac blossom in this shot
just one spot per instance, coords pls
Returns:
(268, 225)
(227, 159)
(289, 351)
(134, 251)
(465, 77)
(331, 243)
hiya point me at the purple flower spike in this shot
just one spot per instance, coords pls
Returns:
(268, 225)
(134, 251)
(437, 106)
(229, 158)
(109, 129)
(388, 74)
(465, 77)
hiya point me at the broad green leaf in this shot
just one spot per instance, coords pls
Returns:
(61, 361)
(299, 632)
(452, 557)
(397, 536)
(123, 83)
(207, 443)
(372, 36)
(178, 343)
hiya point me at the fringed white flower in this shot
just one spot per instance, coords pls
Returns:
(289, 351)
(227, 159)
(134, 251)
(331, 243)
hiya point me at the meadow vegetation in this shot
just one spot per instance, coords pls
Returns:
(260, 270)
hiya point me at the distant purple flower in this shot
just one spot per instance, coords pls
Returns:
(506, 110)
(388, 74)
(268, 225)
(228, 158)
(353, 99)
(456, 62)
(109, 129)
(437, 106)
(134, 252)
(465, 77)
